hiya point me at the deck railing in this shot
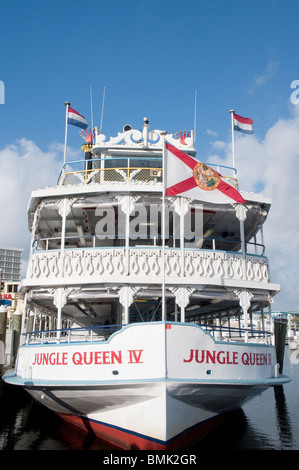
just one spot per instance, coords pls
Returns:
(71, 335)
(102, 333)
(119, 240)
(126, 170)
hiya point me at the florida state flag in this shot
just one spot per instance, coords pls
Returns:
(188, 177)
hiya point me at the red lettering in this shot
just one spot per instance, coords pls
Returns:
(115, 357)
(190, 357)
(235, 357)
(88, 360)
(270, 359)
(227, 358)
(44, 358)
(135, 356)
(77, 358)
(97, 357)
(64, 359)
(210, 356)
(52, 359)
(202, 356)
(58, 362)
(106, 357)
(221, 360)
(205, 356)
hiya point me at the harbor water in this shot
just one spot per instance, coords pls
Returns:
(268, 422)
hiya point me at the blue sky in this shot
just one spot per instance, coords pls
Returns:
(151, 56)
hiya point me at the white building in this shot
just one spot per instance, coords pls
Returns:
(10, 263)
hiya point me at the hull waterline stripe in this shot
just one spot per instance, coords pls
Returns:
(206, 423)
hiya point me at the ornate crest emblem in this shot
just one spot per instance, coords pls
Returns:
(182, 136)
(88, 136)
(206, 178)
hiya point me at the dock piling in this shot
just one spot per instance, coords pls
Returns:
(16, 328)
(280, 328)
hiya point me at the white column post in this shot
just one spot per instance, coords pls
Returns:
(127, 250)
(182, 236)
(233, 139)
(59, 292)
(67, 104)
(164, 312)
(241, 211)
(244, 301)
(126, 298)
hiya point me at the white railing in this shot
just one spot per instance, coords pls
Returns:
(144, 264)
(126, 170)
(102, 333)
(71, 335)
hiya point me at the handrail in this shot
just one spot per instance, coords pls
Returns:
(233, 329)
(101, 166)
(121, 237)
(64, 334)
(102, 333)
(110, 158)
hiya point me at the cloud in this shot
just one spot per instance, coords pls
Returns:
(264, 77)
(211, 133)
(271, 166)
(24, 168)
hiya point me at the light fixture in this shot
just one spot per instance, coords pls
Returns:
(193, 307)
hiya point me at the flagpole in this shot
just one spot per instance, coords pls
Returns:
(91, 111)
(195, 103)
(233, 138)
(164, 313)
(67, 104)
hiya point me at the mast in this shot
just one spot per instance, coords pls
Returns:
(67, 104)
(87, 148)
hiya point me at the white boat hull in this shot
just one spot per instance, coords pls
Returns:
(165, 391)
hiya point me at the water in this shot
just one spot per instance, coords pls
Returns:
(268, 422)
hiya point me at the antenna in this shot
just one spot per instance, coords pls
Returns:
(91, 112)
(195, 100)
(102, 109)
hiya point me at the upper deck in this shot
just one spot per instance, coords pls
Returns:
(131, 165)
(133, 158)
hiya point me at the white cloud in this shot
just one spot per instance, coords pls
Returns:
(24, 168)
(264, 77)
(269, 72)
(271, 166)
(211, 133)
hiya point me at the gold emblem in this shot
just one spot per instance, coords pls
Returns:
(206, 178)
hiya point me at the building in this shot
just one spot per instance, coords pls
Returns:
(10, 270)
(10, 263)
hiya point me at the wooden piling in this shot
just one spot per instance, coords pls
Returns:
(16, 329)
(280, 329)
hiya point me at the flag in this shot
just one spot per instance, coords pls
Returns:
(188, 177)
(242, 124)
(76, 119)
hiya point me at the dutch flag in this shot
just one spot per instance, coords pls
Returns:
(242, 124)
(76, 119)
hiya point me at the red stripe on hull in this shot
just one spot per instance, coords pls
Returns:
(130, 441)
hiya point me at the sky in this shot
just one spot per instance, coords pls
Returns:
(152, 58)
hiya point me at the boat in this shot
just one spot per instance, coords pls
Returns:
(137, 325)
